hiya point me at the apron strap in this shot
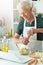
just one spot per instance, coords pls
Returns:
(23, 27)
(25, 24)
(35, 21)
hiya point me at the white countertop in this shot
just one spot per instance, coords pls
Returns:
(6, 62)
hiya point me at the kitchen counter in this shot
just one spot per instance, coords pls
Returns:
(6, 62)
(12, 47)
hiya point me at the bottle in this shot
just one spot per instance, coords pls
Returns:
(10, 33)
(4, 44)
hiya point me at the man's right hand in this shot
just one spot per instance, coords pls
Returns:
(32, 31)
(25, 41)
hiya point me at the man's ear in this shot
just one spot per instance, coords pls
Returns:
(32, 9)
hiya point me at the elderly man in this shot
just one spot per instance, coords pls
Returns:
(28, 26)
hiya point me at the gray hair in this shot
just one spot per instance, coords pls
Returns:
(24, 4)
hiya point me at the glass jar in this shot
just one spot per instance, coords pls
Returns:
(4, 47)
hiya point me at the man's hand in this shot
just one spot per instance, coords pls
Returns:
(32, 31)
(25, 41)
(29, 33)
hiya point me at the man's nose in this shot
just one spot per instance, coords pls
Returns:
(26, 14)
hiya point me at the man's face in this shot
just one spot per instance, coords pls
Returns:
(26, 13)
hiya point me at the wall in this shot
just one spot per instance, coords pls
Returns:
(39, 6)
(6, 11)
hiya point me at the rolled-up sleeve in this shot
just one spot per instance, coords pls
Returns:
(20, 26)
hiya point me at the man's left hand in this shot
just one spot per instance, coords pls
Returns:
(32, 31)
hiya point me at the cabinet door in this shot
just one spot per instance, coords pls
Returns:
(15, 3)
(39, 6)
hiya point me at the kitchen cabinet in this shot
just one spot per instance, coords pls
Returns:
(15, 14)
(6, 16)
(38, 6)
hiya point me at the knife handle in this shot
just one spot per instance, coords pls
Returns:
(32, 61)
